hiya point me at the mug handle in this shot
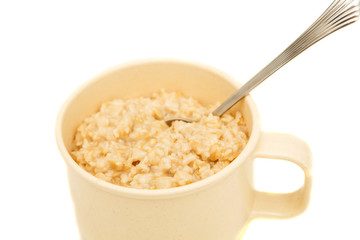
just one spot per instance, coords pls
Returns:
(290, 148)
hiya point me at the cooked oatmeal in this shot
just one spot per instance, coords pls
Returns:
(128, 143)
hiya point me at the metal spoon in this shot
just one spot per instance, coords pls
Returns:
(339, 14)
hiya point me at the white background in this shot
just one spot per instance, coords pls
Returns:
(48, 48)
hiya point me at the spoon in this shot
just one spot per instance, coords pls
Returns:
(339, 14)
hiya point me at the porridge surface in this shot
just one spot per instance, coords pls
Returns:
(128, 143)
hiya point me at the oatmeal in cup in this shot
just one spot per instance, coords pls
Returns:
(133, 177)
(128, 143)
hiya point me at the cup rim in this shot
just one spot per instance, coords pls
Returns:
(158, 193)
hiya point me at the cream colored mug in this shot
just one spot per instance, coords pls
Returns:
(216, 208)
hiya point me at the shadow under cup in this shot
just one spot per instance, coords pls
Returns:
(218, 207)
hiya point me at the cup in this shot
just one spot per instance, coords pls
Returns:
(218, 207)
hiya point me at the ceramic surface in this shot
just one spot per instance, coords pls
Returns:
(218, 207)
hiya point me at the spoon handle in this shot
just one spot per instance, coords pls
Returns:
(338, 15)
